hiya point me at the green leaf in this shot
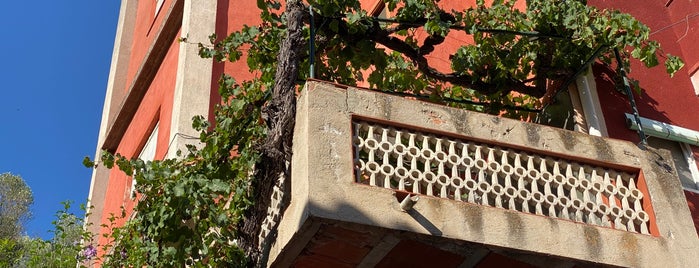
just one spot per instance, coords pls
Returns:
(88, 163)
(218, 185)
(334, 25)
(179, 190)
(673, 64)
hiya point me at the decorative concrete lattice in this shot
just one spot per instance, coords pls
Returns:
(276, 206)
(490, 175)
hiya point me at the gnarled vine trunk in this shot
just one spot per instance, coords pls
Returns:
(276, 151)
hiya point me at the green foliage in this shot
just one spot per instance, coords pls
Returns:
(71, 244)
(10, 251)
(15, 200)
(192, 204)
(514, 53)
(673, 64)
(190, 207)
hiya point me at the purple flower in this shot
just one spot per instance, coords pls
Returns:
(89, 252)
(123, 253)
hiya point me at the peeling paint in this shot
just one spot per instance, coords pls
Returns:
(328, 128)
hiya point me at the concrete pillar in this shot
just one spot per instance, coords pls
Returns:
(193, 84)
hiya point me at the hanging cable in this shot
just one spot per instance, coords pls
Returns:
(627, 88)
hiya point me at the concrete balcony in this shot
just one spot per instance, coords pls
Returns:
(384, 181)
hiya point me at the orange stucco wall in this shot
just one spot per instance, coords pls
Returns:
(156, 107)
(230, 17)
(684, 16)
(145, 29)
(666, 99)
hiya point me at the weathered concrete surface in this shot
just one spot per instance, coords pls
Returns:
(193, 84)
(323, 185)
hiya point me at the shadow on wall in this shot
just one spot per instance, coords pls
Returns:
(693, 202)
(349, 211)
(615, 103)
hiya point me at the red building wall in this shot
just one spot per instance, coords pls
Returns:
(666, 99)
(675, 25)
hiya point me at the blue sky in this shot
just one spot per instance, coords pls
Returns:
(55, 64)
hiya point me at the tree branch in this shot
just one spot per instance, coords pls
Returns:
(384, 37)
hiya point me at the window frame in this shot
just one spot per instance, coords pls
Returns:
(692, 165)
(694, 77)
(147, 154)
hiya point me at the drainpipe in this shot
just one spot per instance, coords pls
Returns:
(664, 130)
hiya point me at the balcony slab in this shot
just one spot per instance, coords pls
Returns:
(323, 187)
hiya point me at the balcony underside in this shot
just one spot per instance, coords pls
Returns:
(330, 243)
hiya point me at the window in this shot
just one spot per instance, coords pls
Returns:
(158, 6)
(147, 154)
(692, 164)
(576, 108)
(560, 112)
(695, 81)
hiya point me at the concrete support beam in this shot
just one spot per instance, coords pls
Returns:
(388, 242)
(476, 257)
(193, 84)
(587, 93)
